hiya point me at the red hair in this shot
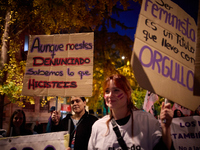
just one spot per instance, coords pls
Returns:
(122, 83)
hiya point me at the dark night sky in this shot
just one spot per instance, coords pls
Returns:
(130, 18)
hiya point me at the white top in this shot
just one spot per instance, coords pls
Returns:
(147, 133)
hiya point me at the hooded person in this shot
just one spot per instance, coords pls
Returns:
(54, 121)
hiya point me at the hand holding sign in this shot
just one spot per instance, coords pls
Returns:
(166, 114)
(55, 117)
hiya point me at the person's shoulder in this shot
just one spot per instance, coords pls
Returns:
(102, 120)
(142, 115)
(67, 117)
(92, 117)
(141, 112)
(106, 117)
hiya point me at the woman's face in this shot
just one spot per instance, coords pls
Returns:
(18, 120)
(178, 113)
(115, 97)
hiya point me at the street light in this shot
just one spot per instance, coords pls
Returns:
(123, 57)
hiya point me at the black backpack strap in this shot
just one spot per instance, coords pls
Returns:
(118, 134)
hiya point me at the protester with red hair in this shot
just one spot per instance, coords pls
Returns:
(126, 127)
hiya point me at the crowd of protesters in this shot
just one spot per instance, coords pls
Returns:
(179, 113)
(88, 133)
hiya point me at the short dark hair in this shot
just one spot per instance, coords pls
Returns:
(53, 108)
(83, 99)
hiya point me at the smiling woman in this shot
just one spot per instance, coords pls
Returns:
(131, 127)
(115, 97)
(17, 124)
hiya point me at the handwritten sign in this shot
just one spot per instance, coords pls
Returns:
(185, 133)
(197, 61)
(163, 53)
(47, 141)
(59, 65)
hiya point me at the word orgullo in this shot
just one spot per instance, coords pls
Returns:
(174, 71)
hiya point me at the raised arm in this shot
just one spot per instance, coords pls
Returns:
(166, 116)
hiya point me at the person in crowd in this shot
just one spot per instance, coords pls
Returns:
(191, 113)
(79, 124)
(53, 124)
(17, 125)
(196, 113)
(38, 127)
(127, 127)
(178, 113)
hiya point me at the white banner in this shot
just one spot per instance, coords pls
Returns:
(185, 132)
(47, 141)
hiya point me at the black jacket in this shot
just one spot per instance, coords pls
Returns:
(83, 130)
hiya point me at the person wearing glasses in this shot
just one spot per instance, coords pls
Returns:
(79, 124)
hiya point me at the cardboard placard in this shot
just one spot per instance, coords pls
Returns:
(59, 65)
(163, 53)
(197, 60)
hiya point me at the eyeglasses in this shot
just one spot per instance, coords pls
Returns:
(76, 100)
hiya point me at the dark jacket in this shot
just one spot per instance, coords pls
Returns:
(83, 130)
(38, 128)
(23, 131)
